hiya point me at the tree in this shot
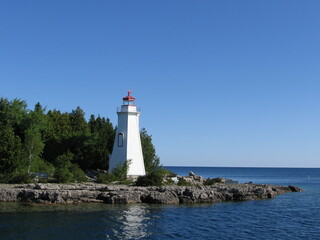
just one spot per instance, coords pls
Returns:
(10, 150)
(78, 121)
(101, 141)
(57, 132)
(12, 114)
(61, 143)
(36, 122)
(33, 146)
(63, 165)
(151, 160)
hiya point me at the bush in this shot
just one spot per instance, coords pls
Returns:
(78, 173)
(165, 172)
(42, 166)
(63, 175)
(156, 178)
(109, 178)
(106, 178)
(20, 177)
(152, 179)
(3, 178)
(120, 172)
(64, 160)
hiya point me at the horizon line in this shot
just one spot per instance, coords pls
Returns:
(236, 167)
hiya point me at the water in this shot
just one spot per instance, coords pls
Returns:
(288, 216)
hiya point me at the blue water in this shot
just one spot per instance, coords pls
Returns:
(288, 216)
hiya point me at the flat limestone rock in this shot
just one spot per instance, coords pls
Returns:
(123, 194)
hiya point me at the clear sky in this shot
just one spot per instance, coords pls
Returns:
(219, 83)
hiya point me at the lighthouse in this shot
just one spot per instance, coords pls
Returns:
(127, 143)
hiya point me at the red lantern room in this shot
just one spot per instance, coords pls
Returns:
(129, 100)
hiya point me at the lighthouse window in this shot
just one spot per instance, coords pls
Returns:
(120, 139)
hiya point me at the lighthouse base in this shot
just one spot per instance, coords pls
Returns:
(133, 177)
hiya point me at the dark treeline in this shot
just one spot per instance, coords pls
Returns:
(60, 144)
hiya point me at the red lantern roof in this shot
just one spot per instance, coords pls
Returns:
(129, 98)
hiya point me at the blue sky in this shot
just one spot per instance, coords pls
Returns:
(219, 83)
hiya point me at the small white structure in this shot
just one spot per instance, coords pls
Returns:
(127, 143)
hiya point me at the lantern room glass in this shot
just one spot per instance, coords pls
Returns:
(126, 102)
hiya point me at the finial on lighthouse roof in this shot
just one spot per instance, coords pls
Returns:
(129, 98)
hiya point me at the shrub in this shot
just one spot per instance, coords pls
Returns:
(3, 178)
(152, 179)
(120, 171)
(42, 166)
(64, 160)
(106, 178)
(20, 177)
(119, 174)
(78, 173)
(63, 175)
(165, 172)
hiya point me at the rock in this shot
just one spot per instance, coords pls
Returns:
(9, 195)
(123, 194)
(191, 174)
(295, 189)
(198, 178)
(166, 197)
(219, 180)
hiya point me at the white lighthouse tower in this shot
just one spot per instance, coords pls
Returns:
(127, 143)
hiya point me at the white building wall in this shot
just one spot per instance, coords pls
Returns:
(128, 124)
(134, 150)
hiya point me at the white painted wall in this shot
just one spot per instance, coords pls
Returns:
(128, 124)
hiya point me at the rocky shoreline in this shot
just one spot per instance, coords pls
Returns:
(123, 194)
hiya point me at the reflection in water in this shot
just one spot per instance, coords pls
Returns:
(134, 222)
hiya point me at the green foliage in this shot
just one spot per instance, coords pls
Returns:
(42, 166)
(4, 178)
(66, 171)
(78, 121)
(151, 179)
(20, 177)
(165, 172)
(151, 160)
(121, 171)
(33, 147)
(60, 144)
(106, 178)
(78, 173)
(119, 174)
(63, 175)
(155, 178)
(10, 150)
(13, 113)
(64, 160)
(101, 142)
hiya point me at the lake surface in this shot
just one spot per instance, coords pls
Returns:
(288, 216)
